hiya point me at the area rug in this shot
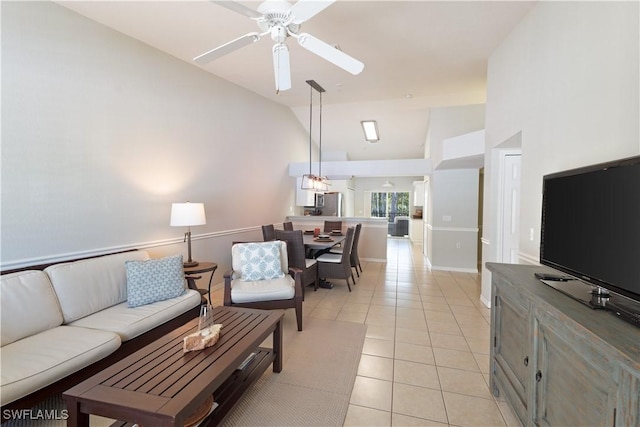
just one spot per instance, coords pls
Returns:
(313, 389)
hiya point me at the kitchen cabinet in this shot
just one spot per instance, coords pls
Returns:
(418, 193)
(304, 197)
(556, 361)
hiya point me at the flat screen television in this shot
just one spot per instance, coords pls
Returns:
(591, 225)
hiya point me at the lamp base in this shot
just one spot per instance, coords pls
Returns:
(190, 263)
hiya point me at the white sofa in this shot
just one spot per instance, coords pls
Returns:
(65, 319)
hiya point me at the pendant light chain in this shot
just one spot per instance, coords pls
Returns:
(320, 142)
(311, 181)
(310, 124)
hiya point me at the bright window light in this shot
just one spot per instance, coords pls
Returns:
(370, 128)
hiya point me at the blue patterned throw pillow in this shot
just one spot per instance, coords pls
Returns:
(260, 261)
(154, 280)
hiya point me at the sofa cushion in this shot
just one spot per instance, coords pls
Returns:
(130, 322)
(88, 286)
(34, 362)
(236, 258)
(262, 290)
(154, 280)
(28, 305)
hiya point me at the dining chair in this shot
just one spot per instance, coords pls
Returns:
(329, 226)
(261, 278)
(354, 259)
(338, 266)
(288, 225)
(268, 232)
(297, 259)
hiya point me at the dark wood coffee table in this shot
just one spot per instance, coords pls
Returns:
(159, 385)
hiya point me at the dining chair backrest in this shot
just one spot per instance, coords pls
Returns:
(354, 258)
(295, 247)
(354, 248)
(347, 244)
(268, 232)
(329, 226)
(297, 257)
(288, 225)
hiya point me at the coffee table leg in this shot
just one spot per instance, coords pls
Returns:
(76, 418)
(277, 347)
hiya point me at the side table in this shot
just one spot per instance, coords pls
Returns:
(202, 267)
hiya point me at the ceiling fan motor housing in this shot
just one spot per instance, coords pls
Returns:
(279, 34)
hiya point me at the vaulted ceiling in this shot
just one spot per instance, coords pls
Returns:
(417, 55)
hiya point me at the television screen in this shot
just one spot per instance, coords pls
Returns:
(591, 225)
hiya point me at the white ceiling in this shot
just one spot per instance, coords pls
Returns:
(417, 55)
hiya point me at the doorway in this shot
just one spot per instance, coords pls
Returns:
(510, 208)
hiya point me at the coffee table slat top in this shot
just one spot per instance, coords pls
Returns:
(161, 382)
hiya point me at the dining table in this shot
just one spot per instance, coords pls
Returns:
(314, 243)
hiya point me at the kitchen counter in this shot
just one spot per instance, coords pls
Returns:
(373, 235)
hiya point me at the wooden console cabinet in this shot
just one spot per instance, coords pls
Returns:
(556, 361)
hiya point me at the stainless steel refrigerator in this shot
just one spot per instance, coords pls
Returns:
(331, 204)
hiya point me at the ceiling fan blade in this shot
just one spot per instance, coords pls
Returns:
(281, 67)
(304, 10)
(238, 8)
(226, 48)
(330, 53)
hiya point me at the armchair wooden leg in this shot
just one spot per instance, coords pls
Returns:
(299, 314)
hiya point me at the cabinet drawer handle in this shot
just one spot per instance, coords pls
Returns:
(538, 376)
(526, 361)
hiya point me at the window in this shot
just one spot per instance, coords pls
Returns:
(389, 204)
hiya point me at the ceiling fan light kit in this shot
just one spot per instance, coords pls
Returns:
(281, 20)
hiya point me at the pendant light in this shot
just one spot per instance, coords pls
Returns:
(310, 181)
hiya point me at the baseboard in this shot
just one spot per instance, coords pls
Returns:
(486, 302)
(374, 259)
(456, 269)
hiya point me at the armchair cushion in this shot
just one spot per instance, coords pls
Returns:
(154, 280)
(259, 261)
(243, 291)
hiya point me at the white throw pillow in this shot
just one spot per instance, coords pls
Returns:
(260, 261)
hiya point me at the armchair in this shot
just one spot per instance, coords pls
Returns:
(399, 227)
(258, 278)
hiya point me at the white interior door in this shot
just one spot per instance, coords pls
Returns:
(511, 208)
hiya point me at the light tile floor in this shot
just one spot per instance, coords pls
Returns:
(425, 360)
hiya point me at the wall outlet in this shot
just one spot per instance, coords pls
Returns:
(446, 218)
(531, 234)
(458, 245)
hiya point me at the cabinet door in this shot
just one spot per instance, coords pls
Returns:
(628, 405)
(574, 383)
(418, 193)
(511, 349)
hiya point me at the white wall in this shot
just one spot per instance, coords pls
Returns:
(101, 133)
(567, 80)
(448, 122)
(452, 193)
(452, 220)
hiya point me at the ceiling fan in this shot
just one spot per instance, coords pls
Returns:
(281, 20)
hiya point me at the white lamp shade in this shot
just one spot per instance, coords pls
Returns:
(187, 214)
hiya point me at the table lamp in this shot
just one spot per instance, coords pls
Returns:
(188, 214)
